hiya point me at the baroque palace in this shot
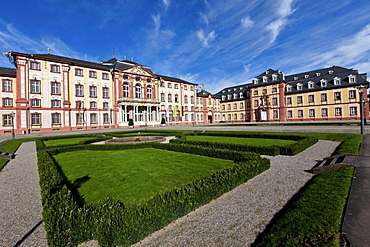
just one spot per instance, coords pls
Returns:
(50, 93)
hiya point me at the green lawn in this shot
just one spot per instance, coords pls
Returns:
(133, 175)
(240, 140)
(66, 141)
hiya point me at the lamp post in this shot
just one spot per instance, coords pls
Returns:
(360, 92)
(12, 114)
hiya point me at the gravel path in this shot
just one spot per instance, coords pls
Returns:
(20, 201)
(236, 218)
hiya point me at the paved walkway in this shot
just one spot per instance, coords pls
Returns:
(20, 201)
(356, 223)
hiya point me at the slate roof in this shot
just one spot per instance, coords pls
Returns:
(174, 79)
(234, 91)
(327, 74)
(72, 61)
(7, 72)
(267, 78)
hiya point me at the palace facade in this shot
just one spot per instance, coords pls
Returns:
(50, 93)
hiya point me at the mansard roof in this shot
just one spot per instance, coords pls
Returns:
(233, 93)
(268, 77)
(8, 72)
(323, 79)
(174, 79)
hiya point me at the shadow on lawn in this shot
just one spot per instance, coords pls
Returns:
(80, 181)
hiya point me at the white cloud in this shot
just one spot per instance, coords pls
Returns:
(285, 8)
(166, 3)
(205, 38)
(157, 24)
(247, 22)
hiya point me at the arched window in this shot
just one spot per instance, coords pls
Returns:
(137, 91)
(185, 99)
(149, 92)
(126, 91)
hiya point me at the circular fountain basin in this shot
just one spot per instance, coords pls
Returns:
(135, 139)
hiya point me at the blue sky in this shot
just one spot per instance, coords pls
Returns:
(218, 43)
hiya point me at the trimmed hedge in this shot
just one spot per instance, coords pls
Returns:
(292, 149)
(112, 223)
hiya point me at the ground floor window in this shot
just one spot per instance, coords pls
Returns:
(35, 118)
(324, 112)
(338, 111)
(79, 118)
(7, 120)
(106, 118)
(93, 118)
(300, 113)
(290, 114)
(353, 110)
(312, 112)
(55, 118)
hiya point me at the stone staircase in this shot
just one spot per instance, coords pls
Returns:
(7, 155)
(335, 162)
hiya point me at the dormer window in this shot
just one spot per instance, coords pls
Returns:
(223, 97)
(323, 83)
(352, 78)
(274, 77)
(241, 95)
(264, 79)
(255, 81)
(295, 78)
(223, 91)
(331, 72)
(318, 74)
(229, 96)
(229, 90)
(289, 88)
(235, 89)
(235, 96)
(310, 84)
(306, 76)
(336, 81)
(241, 88)
(299, 86)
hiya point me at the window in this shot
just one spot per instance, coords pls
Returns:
(235, 96)
(105, 92)
(264, 79)
(92, 74)
(275, 114)
(126, 92)
(311, 98)
(299, 86)
(191, 99)
(169, 97)
(255, 92)
(7, 120)
(7, 102)
(256, 103)
(306, 76)
(229, 106)
(353, 110)
(7, 85)
(162, 97)
(289, 88)
(185, 99)
(274, 101)
(105, 105)
(176, 98)
(338, 111)
(318, 74)
(137, 78)
(93, 105)
(336, 81)
(290, 114)
(55, 88)
(106, 118)
(324, 112)
(149, 92)
(125, 77)
(323, 83)
(255, 81)
(79, 90)
(274, 77)
(185, 87)
(310, 84)
(92, 90)
(300, 113)
(352, 78)
(79, 105)
(176, 86)
(54, 68)
(161, 84)
(35, 118)
(295, 78)
(105, 76)
(55, 103)
(169, 85)
(331, 72)
(35, 65)
(324, 97)
(235, 116)
(93, 118)
(241, 95)
(235, 106)
(299, 99)
(138, 91)
(312, 112)
(223, 107)
(78, 72)
(337, 96)
(241, 105)
(35, 86)
(55, 118)
(274, 89)
(264, 90)
(79, 118)
(35, 102)
(289, 100)
(352, 94)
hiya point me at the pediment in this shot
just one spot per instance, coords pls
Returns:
(138, 70)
